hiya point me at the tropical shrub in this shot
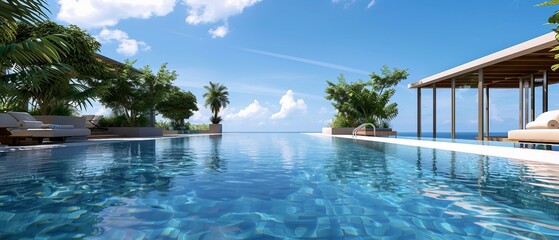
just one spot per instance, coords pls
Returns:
(365, 102)
(178, 106)
(198, 127)
(134, 94)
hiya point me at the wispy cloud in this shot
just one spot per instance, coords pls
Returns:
(372, 3)
(308, 61)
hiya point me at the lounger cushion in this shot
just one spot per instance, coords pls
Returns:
(29, 124)
(535, 135)
(21, 116)
(42, 132)
(7, 121)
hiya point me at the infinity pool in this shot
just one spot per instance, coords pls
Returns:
(267, 186)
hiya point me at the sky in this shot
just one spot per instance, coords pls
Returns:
(276, 56)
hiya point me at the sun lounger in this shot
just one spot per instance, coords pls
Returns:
(544, 129)
(19, 127)
(92, 121)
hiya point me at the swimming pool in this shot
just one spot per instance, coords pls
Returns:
(265, 186)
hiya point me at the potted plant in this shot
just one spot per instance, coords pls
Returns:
(216, 98)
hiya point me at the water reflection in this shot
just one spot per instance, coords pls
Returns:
(215, 162)
(371, 167)
(56, 186)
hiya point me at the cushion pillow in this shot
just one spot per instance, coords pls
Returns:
(549, 124)
(29, 124)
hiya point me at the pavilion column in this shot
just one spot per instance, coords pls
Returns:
(480, 105)
(532, 98)
(544, 92)
(434, 110)
(419, 112)
(453, 109)
(526, 102)
(521, 103)
(487, 112)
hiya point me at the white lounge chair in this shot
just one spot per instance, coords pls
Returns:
(92, 121)
(16, 127)
(544, 129)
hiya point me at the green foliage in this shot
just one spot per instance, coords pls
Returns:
(553, 19)
(178, 106)
(68, 80)
(216, 97)
(163, 124)
(119, 120)
(26, 11)
(198, 127)
(30, 59)
(362, 102)
(136, 94)
(340, 121)
(113, 121)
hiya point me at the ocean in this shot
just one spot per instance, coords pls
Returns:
(459, 135)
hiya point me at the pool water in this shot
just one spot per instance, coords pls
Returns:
(266, 186)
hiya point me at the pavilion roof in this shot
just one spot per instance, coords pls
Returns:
(502, 69)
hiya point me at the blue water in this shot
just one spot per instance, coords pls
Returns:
(266, 186)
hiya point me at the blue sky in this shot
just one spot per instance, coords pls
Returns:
(275, 56)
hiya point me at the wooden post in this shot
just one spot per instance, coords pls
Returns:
(532, 98)
(419, 112)
(434, 110)
(544, 92)
(453, 109)
(521, 103)
(487, 112)
(480, 105)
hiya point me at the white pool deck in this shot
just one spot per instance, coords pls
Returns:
(516, 154)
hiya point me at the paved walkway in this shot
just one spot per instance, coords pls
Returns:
(497, 151)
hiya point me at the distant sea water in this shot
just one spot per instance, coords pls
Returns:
(459, 135)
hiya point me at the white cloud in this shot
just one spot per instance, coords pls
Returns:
(289, 106)
(126, 45)
(348, 3)
(212, 11)
(219, 32)
(103, 13)
(103, 111)
(308, 61)
(200, 116)
(252, 111)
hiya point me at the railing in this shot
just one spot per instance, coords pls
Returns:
(364, 125)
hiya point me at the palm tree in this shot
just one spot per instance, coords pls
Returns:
(216, 97)
(24, 59)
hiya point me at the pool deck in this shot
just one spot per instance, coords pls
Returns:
(518, 154)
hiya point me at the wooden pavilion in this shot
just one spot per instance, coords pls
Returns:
(524, 66)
